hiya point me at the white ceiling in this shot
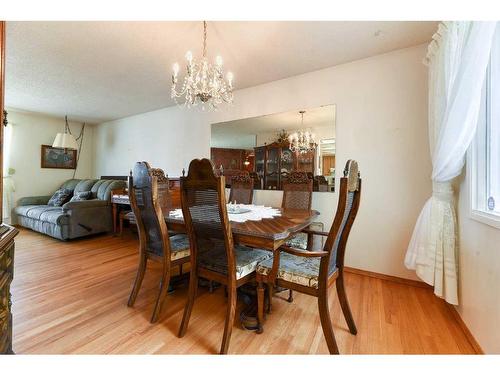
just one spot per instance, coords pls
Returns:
(97, 71)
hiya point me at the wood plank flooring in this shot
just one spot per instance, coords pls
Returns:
(70, 298)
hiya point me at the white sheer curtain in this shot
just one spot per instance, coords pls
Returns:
(8, 183)
(458, 59)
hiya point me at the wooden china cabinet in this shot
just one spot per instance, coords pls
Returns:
(7, 233)
(275, 161)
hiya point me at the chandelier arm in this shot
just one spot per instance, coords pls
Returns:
(204, 39)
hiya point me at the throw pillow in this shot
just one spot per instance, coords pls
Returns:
(60, 197)
(81, 196)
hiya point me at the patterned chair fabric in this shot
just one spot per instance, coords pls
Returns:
(299, 241)
(179, 246)
(295, 269)
(241, 189)
(246, 259)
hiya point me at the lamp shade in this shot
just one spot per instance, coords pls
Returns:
(65, 140)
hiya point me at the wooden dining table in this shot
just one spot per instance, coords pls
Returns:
(268, 234)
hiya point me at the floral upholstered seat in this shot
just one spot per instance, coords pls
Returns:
(295, 269)
(299, 241)
(179, 246)
(246, 259)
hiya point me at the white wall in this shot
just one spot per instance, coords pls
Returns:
(381, 121)
(479, 275)
(29, 132)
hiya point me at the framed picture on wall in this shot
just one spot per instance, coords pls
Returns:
(58, 158)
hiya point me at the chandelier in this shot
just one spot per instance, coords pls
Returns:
(203, 83)
(302, 141)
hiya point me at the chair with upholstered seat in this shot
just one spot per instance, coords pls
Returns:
(214, 256)
(313, 272)
(148, 192)
(241, 189)
(297, 195)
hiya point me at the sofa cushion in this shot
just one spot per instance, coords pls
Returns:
(81, 196)
(84, 185)
(50, 214)
(102, 188)
(60, 197)
(70, 184)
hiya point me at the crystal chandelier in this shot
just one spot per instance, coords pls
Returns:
(302, 141)
(203, 81)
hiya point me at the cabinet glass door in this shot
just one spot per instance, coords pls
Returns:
(272, 168)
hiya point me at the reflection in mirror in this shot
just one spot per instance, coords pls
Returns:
(270, 147)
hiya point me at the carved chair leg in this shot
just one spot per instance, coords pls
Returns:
(165, 280)
(193, 286)
(228, 328)
(260, 307)
(326, 323)
(270, 292)
(141, 270)
(344, 303)
(290, 296)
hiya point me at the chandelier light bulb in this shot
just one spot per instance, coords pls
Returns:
(189, 56)
(230, 78)
(218, 61)
(175, 68)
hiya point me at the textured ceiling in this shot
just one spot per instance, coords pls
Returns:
(97, 71)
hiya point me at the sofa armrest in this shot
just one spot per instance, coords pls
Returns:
(38, 200)
(92, 203)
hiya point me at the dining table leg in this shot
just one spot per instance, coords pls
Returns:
(115, 211)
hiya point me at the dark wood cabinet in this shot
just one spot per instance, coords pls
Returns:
(274, 162)
(6, 275)
(232, 160)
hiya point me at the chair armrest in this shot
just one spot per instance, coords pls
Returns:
(316, 232)
(38, 200)
(303, 253)
(92, 203)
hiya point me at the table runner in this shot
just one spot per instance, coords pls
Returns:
(256, 213)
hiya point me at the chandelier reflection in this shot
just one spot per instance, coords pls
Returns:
(302, 141)
(203, 82)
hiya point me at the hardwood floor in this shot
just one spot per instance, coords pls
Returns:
(71, 297)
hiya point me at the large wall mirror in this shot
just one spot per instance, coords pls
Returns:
(270, 147)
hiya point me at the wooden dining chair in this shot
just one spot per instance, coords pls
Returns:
(297, 194)
(313, 272)
(241, 189)
(148, 192)
(214, 256)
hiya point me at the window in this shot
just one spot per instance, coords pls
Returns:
(485, 152)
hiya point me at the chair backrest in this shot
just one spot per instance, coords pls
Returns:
(257, 181)
(241, 189)
(297, 191)
(205, 213)
(148, 190)
(347, 208)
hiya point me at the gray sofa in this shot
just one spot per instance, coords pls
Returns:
(73, 219)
